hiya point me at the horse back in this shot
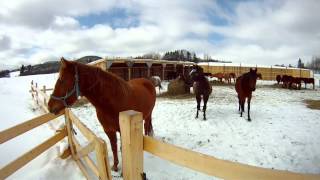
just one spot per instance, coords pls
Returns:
(143, 95)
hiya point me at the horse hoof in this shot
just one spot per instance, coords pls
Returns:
(249, 120)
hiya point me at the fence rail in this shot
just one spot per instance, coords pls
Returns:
(216, 167)
(10, 133)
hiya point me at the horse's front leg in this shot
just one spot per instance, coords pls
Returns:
(239, 102)
(242, 101)
(205, 100)
(113, 141)
(198, 105)
(249, 101)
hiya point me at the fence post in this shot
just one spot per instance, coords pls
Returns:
(44, 98)
(37, 96)
(163, 70)
(132, 144)
(102, 160)
(32, 89)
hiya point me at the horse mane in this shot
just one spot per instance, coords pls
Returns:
(104, 79)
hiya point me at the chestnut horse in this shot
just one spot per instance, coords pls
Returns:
(108, 93)
(201, 87)
(245, 84)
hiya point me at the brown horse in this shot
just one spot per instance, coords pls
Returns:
(245, 84)
(108, 93)
(220, 76)
(307, 81)
(201, 87)
(233, 76)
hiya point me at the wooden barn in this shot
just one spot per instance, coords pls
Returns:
(135, 68)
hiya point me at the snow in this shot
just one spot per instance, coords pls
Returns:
(284, 133)
(16, 107)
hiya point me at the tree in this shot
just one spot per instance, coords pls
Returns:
(300, 64)
(314, 64)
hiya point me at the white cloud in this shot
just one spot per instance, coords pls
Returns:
(260, 32)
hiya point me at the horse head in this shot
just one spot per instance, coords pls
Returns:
(196, 73)
(252, 80)
(66, 90)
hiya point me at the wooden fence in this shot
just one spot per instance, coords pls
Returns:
(134, 143)
(78, 153)
(17, 130)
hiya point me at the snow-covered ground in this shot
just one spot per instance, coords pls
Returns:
(284, 133)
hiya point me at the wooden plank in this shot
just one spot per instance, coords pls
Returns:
(83, 169)
(83, 128)
(68, 123)
(131, 127)
(19, 129)
(87, 159)
(217, 167)
(102, 160)
(27, 157)
(85, 150)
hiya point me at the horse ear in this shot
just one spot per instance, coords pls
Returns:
(250, 69)
(63, 62)
(256, 70)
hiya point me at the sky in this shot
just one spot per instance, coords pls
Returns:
(257, 32)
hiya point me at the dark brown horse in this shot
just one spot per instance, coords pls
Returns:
(245, 84)
(278, 78)
(108, 93)
(201, 88)
(307, 81)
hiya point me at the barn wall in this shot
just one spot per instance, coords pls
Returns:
(268, 73)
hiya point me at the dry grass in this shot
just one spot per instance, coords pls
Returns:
(313, 104)
(180, 96)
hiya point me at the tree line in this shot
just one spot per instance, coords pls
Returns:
(179, 55)
(314, 64)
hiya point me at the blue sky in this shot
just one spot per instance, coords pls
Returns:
(258, 32)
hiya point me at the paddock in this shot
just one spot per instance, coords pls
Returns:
(226, 136)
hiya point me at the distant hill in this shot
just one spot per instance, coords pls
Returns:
(51, 66)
